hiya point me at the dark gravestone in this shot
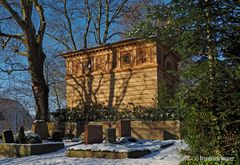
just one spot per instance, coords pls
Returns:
(93, 134)
(21, 138)
(57, 136)
(111, 135)
(124, 128)
(8, 136)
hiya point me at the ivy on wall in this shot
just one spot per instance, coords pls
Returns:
(129, 111)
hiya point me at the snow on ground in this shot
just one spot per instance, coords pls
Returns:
(167, 156)
(140, 145)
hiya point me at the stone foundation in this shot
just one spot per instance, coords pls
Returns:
(20, 150)
(106, 154)
(152, 130)
(40, 127)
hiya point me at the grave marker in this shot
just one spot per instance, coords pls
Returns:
(93, 134)
(111, 135)
(8, 136)
(124, 128)
(57, 136)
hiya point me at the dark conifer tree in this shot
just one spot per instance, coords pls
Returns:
(208, 33)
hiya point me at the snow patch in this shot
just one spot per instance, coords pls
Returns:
(140, 145)
(167, 156)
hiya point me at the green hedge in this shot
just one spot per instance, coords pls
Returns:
(129, 111)
(209, 162)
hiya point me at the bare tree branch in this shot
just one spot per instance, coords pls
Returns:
(107, 23)
(27, 10)
(111, 14)
(16, 36)
(4, 42)
(118, 10)
(114, 34)
(12, 67)
(10, 71)
(97, 19)
(24, 54)
(59, 40)
(13, 13)
(70, 32)
(42, 27)
(89, 18)
(95, 16)
(7, 18)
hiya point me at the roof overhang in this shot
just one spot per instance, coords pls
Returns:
(103, 47)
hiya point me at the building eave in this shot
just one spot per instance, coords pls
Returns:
(103, 47)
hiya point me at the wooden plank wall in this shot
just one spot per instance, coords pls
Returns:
(135, 86)
(113, 87)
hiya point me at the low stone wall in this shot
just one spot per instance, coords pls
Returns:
(19, 150)
(106, 125)
(106, 154)
(68, 128)
(154, 130)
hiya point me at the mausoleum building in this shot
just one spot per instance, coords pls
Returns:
(129, 71)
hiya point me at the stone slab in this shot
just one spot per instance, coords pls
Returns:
(20, 150)
(111, 135)
(125, 128)
(93, 134)
(7, 136)
(106, 125)
(106, 154)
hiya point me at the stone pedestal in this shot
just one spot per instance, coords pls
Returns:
(40, 127)
(111, 135)
(124, 128)
(7, 136)
(93, 134)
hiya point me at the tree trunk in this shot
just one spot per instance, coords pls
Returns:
(39, 85)
(33, 40)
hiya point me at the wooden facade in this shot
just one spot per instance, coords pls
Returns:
(124, 72)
